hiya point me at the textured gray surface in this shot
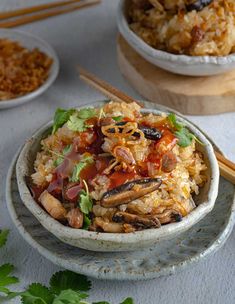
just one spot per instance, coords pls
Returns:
(88, 37)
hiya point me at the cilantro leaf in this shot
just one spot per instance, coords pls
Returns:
(85, 200)
(67, 279)
(3, 237)
(76, 124)
(117, 118)
(37, 294)
(70, 296)
(4, 290)
(172, 118)
(60, 118)
(8, 295)
(77, 170)
(77, 121)
(102, 302)
(86, 222)
(79, 167)
(5, 278)
(86, 113)
(58, 161)
(128, 301)
(184, 136)
(67, 149)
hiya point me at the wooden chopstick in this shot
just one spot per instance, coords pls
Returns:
(104, 87)
(33, 9)
(33, 18)
(227, 168)
(225, 161)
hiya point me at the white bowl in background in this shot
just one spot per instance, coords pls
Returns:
(97, 241)
(30, 41)
(179, 64)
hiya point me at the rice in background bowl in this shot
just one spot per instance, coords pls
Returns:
(176, 63)
(168, 26)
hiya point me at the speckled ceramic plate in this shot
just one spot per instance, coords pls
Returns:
(198, 242)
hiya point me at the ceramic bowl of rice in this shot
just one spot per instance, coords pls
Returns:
(185, 37)
(118, 177)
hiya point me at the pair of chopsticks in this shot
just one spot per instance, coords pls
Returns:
(227, 168)
(20, 16)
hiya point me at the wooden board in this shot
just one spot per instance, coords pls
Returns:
(188, 95)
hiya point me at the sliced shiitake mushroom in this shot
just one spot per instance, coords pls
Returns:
(197, 5)
(138, 221)
(99, 224)
(149, 133)
(129, 191)
(169, 216)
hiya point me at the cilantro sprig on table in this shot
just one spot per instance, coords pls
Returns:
(185, 137)
(6, 279)
(65, 287)
(75, 119)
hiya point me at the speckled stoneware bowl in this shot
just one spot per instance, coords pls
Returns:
(97, 241)
(179, 64)
(31, 41)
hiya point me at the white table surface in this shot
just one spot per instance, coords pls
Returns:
(88, 37)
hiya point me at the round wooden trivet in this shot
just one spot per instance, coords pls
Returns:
(189, 95)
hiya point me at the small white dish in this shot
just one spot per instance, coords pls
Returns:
(178, 64)
(97, 241)
(30, 41)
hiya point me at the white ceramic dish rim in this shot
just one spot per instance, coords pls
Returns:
(165, 56)
(54, 70)
(161, 233)
(58, 260)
